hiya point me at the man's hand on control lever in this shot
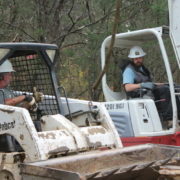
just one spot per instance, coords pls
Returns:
(37, 95)
(31, 102)
(148, 85)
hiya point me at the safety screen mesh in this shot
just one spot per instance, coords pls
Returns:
(31, 71)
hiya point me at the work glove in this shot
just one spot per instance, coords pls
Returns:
(31, 101)
(37, 95)
(148, 85)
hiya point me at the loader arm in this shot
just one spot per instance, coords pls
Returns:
(59, 135)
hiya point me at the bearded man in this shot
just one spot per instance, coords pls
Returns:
(138, 76)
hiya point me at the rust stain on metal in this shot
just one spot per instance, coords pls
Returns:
(93, 131)
(87, 122)
(2, 161)
(47, 135)
(65, 133)
(58, 150)
(74, 140)
(9, 111)
(21, 136)
(92, 144)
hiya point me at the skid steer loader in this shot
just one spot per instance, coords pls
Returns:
(87, 128)
(138, 120)
(74, 139)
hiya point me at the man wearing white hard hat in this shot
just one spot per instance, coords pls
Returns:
(137, 76)
(25, 101)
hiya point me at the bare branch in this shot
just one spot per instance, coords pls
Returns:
(72, 45)
(20, 29)
(95, 85)
(88, 8)
(82, 27)
(80, 94)
(69, 13)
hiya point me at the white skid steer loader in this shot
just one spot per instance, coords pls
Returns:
(27, 136)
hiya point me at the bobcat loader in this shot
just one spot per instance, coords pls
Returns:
(28, 136)
(138, 120)
(64, 139)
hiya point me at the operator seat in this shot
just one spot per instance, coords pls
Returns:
(122, 65)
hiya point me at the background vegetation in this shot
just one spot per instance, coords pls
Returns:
(79, 27)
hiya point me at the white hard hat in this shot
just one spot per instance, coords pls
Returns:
(6, 67)
(136, 52)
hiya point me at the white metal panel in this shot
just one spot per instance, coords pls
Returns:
(117, 106)
(98, 136)
(153, 127)
(17, 122)
(59, 122)
(145, 120)
(174, 20)
(58, 141)
(140, 119)
(153, 114)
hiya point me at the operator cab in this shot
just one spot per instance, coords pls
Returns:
(128, 40)
(142, 113)
(34, 66)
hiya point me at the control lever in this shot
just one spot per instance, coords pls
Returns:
(94, 110)
(39, 113)
(160, 100)
(37, 122)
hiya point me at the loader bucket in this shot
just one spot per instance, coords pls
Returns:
(135, 162)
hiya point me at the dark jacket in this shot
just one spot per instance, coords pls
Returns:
(141, 76)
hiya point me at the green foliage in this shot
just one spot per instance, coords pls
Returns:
(79, 28)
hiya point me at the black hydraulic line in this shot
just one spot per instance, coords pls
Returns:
(65, 94)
